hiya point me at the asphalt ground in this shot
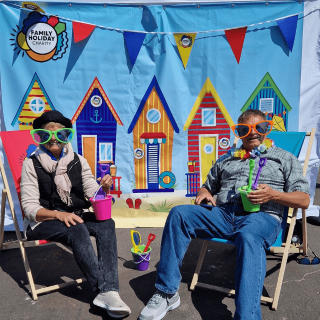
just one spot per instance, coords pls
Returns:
(299, 299)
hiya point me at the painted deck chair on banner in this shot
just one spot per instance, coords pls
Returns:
(18, 145)
(290, 141)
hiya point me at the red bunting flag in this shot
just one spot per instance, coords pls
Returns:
(81, 30)
(235, 38)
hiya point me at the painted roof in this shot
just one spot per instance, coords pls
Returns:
(153, 84)
(208, 87)
(35, 78)
(260, 86)
(96, 84)
(153, 135)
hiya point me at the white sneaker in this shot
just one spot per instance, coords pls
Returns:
(112, 302)
(159, 305)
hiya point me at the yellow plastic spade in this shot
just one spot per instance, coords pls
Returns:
(136, 240)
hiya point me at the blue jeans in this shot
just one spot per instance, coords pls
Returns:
(252, 233)
(101, 272)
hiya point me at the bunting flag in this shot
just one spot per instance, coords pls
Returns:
(81, 30)
(32, 6)
(134, 41)
(288, 28)
(185, 43)
(235, 38)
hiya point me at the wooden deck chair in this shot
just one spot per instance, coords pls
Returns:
(18, 145)
(284, 248)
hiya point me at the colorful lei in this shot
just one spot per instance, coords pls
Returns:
(244, 154)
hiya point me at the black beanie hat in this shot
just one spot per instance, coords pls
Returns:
(51, 116)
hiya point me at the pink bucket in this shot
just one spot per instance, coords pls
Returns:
(102, 208)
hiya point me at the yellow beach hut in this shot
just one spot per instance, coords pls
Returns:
(34, 103)
(153, 127)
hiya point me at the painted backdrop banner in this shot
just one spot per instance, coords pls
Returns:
(152, 91)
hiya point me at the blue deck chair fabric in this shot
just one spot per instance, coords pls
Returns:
(292, 142)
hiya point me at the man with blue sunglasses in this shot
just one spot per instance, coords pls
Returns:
(281, 184)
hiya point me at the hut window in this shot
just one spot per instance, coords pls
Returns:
(208, 148)
(105, 151)
(37, 105)
(209, 117)
(153, 115)
(266, 105)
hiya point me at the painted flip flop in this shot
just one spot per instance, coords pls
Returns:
(129, 203)
(137, 203)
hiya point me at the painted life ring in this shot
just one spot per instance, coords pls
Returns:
(172, 179)
(224, 143)
(138, 153)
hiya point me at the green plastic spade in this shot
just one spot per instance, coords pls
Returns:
(251, 166)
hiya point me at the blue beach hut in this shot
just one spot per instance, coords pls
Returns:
(96, 123)
(268, 98)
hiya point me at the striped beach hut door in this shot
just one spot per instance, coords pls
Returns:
(153, 165)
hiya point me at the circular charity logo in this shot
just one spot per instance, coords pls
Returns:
(41, 37)
(96, 101)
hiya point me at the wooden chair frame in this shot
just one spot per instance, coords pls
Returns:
(24, 243)
(285, 249)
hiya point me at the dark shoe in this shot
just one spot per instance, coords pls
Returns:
(314, 220)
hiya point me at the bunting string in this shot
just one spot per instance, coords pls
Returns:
(172, 32)
(134, 39)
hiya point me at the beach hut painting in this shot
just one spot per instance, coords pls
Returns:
(153, 128)
(268, 98)
(208, 126)
(34, 103)
(96, 123)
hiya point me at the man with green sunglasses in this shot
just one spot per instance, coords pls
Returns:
(56, 184)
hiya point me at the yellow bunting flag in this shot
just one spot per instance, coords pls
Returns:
(184, 43)
(31, 6)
